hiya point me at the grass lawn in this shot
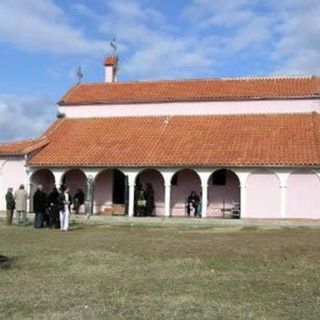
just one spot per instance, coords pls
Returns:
(107, 271)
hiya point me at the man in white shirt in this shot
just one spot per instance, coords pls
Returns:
(64, 208)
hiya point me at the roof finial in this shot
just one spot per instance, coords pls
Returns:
(114, 46)
(79, 74)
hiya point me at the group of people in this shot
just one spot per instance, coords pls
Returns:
(144, 200)
(51, 210)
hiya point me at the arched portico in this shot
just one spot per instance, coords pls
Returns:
(154, 178)
(182, 183)
(110, 192)
(223, 192)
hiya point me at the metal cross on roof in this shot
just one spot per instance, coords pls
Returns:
(79, 74)
(113, 45)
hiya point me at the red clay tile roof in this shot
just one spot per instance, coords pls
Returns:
(233, 140)
(22, 147)
(110, 61)
(192, 90)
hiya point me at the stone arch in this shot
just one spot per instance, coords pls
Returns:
(223, 192)
(303, 195)
(182, 183)
(263, 195)
(156, 179)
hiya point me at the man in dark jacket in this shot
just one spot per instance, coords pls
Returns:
(54, 209)
(39, 207)
(10, 205)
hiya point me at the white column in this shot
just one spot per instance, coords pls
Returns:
(167, 174)
(131, 199)
(90, 181)
(132, 174)
(167, 200)
(91, 174)
(243, 201)
(204, 200)
(204, 175)
(28, 187)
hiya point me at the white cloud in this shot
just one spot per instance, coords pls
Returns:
(225, 13)
(158, 49)
(24, 117)
(43, 26)
(298, 26)
(285, 31)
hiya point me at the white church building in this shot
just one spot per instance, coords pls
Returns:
(248, 141)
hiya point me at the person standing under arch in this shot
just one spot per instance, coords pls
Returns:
(64, 201)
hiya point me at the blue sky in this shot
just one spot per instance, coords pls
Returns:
(42, 42)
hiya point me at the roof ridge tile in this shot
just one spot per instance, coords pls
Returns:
(214, 89)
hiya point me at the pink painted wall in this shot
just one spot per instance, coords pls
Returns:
(263, 195)
(12, 174)
(103, 191)
(155, 178)
(75, 179)
(223, 196)
(192, 108)
(303, 196)
(188, 181)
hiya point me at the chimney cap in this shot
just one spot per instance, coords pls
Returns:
(111, 60)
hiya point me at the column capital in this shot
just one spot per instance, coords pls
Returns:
(90, 180)
(283, 177)
(90, 173)
(58, 174)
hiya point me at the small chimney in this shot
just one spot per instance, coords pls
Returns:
(111, 69)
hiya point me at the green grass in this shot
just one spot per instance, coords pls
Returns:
(159, 272)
